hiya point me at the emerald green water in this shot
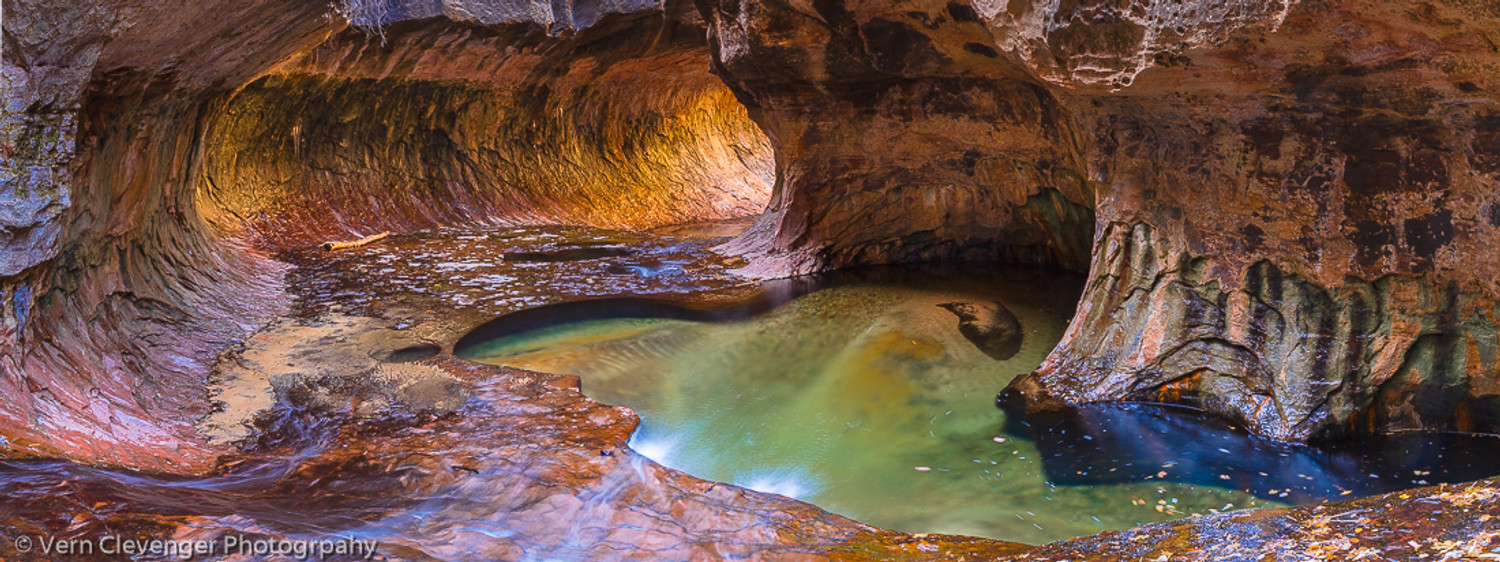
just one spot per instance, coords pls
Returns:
(863, 399)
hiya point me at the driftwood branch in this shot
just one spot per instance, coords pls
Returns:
(331, 246)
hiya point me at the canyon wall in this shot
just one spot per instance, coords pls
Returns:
(1287, 209)
(437, 122)
(1298, 223)
(900, 134)
(1295, 201)
(116, 301)
(157, 156)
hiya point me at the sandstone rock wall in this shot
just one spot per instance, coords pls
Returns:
(1295, 203)
(116, 300)
(1296, 225)
(155, 151)
(900, 134)
(434, 122)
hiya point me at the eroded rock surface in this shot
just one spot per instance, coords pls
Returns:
(900, 134)
(990, 326)
(1292, 199)
(1442, 523)
(1288, 211)
(450, 123)
(1295, 228)
(332, 364)
(154, 156)
(525, 466)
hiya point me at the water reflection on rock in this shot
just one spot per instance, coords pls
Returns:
(1116, 443)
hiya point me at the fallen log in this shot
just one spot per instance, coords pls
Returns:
(371, 239)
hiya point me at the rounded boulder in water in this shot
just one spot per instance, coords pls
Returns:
(989, 326)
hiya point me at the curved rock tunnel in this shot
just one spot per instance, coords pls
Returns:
(1287, 210)
(148, 251)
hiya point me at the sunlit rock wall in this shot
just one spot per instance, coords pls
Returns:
(155, 152)
(434, 123)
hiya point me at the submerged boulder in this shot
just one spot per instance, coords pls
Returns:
(990, 326)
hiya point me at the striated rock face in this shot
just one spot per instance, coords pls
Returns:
(1295, 208)
(147, 169)
(1296, 226)
(900, 134)
(1110, 43)
(1291, 358)
(436, 122)
(115, 300)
